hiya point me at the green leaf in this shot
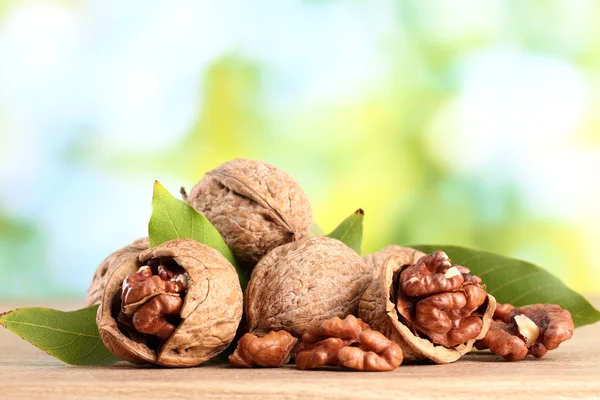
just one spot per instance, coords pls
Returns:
(173, 218)
(519, 282)
(350, 231)
(71, 337)
(316, 231)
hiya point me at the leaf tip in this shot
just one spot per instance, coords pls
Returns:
(4, 315)
(360, 212)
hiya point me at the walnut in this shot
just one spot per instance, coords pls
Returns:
(503, 340)
(375, 353)
(109, 264)
(347, 343)
(303, 283)
(177, 304)
(430, 307)
(151, 318)
(255, 206)
(141, 286)
(272, 350)
(324, 352)
(532, 329)
(408, 257)
(502, 311)
(347, 329)
(323, 340)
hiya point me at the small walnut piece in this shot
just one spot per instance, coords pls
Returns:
(304, 283)
(347, 329)
(532, 329)
(323, 352)
(255, 206)
(347, 343)
(451, 273)
(108, 266)
(177, 304)
(375, 353)
(430, 307)
(272, 350)
(527, 329)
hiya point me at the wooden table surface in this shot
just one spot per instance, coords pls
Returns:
(572, 371)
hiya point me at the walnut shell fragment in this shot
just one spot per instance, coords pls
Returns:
(108, 266)
(407, 254)
(303, 283)
(378, 309)
(171, 332)
(255, 206)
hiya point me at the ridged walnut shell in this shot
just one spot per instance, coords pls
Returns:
(255, 206)
(211, 312)
(380, 313)
(302, 283)
(108, 266)
(408, 256)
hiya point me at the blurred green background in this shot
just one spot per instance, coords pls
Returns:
(452, 122)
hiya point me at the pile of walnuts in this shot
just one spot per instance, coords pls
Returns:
(181, 304)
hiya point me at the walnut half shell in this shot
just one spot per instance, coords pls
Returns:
(108, 266)
(378, 310)
(206, 322)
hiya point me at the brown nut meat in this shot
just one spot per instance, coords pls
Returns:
(375, 353)
(303, 283)
(347, 343)
(502, 311)
(189, 319)
(255, 206)
(151, 318)
(272, 350)
(322, 341)
(324, 352)
(440, 326)
(347, 329)
(108, 266)
(532, 329)
(140, 287)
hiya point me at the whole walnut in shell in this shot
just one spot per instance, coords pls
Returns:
(108, 266)
(430, 307)
(303, 283)
(255, 206)
(178, 304)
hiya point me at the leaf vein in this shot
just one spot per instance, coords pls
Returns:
(29, 324)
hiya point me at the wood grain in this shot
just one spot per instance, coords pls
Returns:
(572, 371)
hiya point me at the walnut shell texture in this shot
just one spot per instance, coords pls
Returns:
(211, 312)
(380, 313)
(303, 283)
(108, 266)
(407, 254)
(255, 206)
